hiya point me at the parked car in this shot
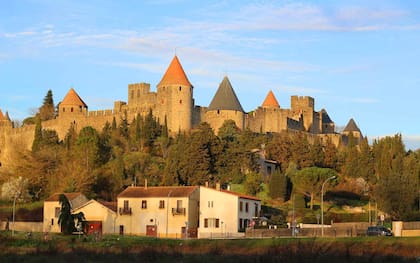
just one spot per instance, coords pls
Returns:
(378, 231)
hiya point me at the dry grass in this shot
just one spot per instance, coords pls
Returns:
(126, 249)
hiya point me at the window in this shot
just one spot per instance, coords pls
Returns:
(241, 206)
(132, 94)
(64, 109)
(178, 204)
(125, 204)
(57, 211)
(71, 110)
(246, 207)
(162, 204)
(180, 101)
(241, 223)
(143, 204)
(211, 222)
(52, 221)
(180, 88)
(210, 203)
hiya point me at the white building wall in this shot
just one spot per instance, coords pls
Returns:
(168, 224)
(50, 223)
(94, 211)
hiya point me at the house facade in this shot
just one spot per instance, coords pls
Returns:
(225, 213)
(52, 210)
(168, 212)
(100, 216)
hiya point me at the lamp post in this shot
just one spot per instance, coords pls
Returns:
(14, 209)
(322, 203)
(167, 213)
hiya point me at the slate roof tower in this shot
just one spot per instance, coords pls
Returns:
(224, 106)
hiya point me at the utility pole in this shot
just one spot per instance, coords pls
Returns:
(322, 204)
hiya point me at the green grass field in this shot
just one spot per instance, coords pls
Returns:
(113, 248)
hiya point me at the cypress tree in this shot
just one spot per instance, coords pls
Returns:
(36, 145)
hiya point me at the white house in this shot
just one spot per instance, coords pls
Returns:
(224, 213)
(100, 216)
(52, 209)
(158, 211)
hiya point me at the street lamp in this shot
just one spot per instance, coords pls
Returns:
(167, 212)
(14, 209)
(322, 203)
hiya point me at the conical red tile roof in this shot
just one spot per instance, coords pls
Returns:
(72, 98)
(175, 74)
(270, 101)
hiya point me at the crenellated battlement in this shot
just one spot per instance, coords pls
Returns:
(173, 101)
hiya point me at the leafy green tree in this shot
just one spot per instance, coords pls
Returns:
(87, 147)
(309, 181)
(253, 183)
(278, 185)
(330, 155)
(316, 151)
(397, 176)
(47, 110)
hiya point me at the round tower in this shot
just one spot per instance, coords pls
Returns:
(225, 106)
(175, 98)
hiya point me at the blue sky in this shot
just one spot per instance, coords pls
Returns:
(358, 60)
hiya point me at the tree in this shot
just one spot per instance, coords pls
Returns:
(47, 110)
(309, 181)
(36, 144)
(66, 219)
(253, 183)
(397, 175)
(278, 185)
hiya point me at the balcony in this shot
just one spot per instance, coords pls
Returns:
(125, 210)
(178, 211)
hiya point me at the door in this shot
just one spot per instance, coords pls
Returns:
(151, 230)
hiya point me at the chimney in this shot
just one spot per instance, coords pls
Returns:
(145, 183)
(207, 184)
(218, 186)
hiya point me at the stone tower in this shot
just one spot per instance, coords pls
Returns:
(305, 106)
(175, 99)
(72, 105)
(225, 106)
(352, 128)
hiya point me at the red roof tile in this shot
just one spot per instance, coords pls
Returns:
(175, 74)
(270, 101)
(72, 98)
(160, 191)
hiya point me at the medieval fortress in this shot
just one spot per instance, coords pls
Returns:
(173, 103)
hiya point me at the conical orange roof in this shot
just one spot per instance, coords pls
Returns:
(175, 74)
(270, 101)
(72, 98)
